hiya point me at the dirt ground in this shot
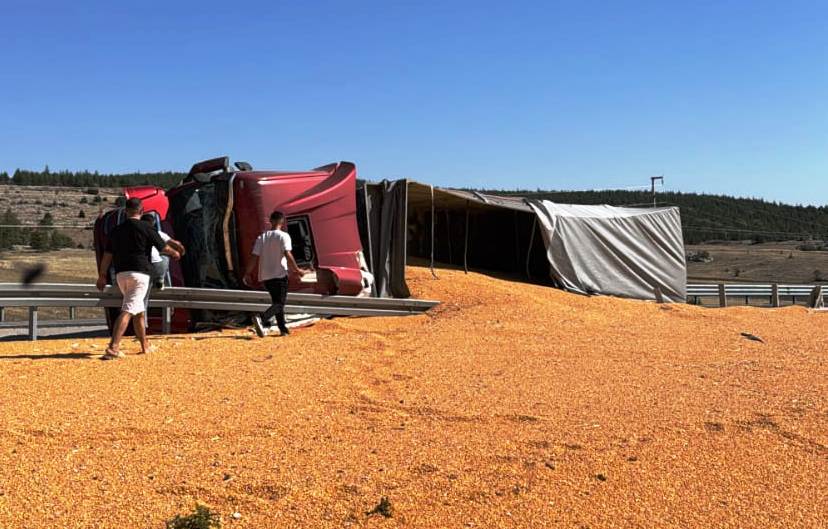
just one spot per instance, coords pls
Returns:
(510, 405)
(776, 262)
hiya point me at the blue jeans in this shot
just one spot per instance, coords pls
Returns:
(159, 274)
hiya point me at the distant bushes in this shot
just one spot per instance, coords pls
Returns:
(42, 238)
(813, 246)
(700, 256)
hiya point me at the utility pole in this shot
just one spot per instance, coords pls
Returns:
(652, 186)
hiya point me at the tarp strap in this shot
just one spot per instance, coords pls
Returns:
(228, 213)
(466, 242)
(531, 242)
(432, 232)
(368, 230)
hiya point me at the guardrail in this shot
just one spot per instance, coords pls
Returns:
(814, 294)
(72, 296)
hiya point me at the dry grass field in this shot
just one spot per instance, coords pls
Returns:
(63, 266)
(510, 405)
(779, 262)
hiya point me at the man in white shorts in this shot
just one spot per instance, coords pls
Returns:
(128, 251)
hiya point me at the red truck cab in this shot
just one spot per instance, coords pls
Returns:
(217, 212)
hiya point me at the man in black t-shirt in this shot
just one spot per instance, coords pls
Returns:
(128, 251)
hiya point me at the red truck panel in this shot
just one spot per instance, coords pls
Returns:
(153, 198)
(326, 196)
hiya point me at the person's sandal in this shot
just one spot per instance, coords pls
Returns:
(150, 349)
(112, 354)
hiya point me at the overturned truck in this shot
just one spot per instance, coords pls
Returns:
(358, 236)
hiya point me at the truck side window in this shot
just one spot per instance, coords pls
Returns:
(300, 235)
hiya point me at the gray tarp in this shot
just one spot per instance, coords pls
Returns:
(625, 252)
(382, 226)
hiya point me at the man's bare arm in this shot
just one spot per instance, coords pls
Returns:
(177, 246)
(251, 265)
(103, 270)
(106, 262)
(172, 252)
(292, 266)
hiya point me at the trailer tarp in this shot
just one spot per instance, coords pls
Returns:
(626, 252)
(381, 215)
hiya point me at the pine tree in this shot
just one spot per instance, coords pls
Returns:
(60, 240)
(40, 240)
(47, 220)
(10, 234)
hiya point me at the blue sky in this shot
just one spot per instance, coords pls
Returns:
(719, 96)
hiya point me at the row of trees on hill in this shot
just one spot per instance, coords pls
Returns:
(704, 217)
(42, 238)
(711, 217)
(25, 177)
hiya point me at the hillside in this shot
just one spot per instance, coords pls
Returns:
(704, 217)
(72, 211)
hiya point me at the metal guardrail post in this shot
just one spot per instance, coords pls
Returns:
(722, 295)
(33, 323)
(659, 296)
(166, 320)
(774, 295)
(816, 301)
(72, 315)
(2, 314)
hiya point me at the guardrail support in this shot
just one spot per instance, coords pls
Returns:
(72, 313)
(32, 323)
(722, 295)
(659, 296)
(775, 295)
(816, 301)
(2, 314)
(166, 320)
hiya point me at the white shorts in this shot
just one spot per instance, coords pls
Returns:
(134, 286)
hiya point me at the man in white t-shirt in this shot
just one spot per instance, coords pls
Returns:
(272, 254)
